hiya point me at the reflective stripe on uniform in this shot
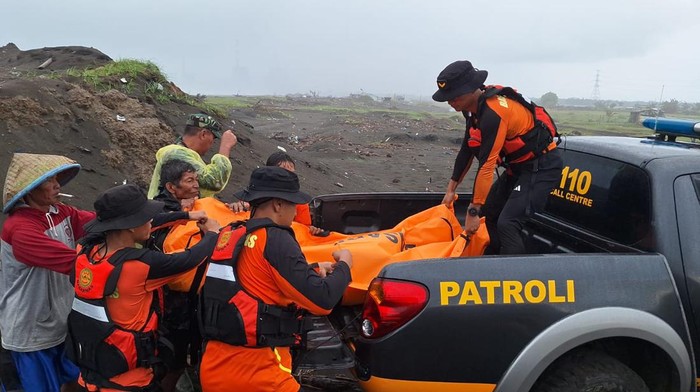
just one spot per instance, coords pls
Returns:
(279, 360)
(220, 271)
(90, 310)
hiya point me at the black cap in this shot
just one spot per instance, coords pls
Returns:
(122, 207)
(273, 182)
(457, 79)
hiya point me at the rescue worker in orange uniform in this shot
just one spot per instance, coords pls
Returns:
(257, 288)
(285, 161)
(114, 319)
(502, 128)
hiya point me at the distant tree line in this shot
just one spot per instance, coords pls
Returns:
(672, 106)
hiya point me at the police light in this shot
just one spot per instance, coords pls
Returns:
(673, 126)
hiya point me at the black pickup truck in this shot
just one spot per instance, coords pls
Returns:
(607, 298)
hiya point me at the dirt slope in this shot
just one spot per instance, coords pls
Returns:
(43, 114)
(45, 111)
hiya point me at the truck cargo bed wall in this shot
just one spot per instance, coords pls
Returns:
(352, 213)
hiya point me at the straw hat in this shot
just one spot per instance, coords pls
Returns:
(28, 171)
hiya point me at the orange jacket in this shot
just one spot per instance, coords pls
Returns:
(131, 304)
(273, 269)
(498, 119)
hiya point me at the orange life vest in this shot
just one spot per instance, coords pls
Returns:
(532, 144)
(229, 314)
(95, 343)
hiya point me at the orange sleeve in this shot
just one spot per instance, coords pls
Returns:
(274, 269)
(494, 128)
(303, 214)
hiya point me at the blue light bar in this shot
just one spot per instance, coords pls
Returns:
(674, 126)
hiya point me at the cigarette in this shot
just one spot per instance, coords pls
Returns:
(65, 195)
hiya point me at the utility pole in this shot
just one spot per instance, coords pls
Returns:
(596, 87)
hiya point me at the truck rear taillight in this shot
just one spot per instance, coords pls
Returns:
(390, 304)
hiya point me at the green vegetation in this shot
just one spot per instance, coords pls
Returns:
(598, 122)
(592, 122)
(336, 106)
(139, 78)
(231, 103)
(109, 75)
(549, 99)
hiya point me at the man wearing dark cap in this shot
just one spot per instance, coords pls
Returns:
(503, 128)
(200, 132)
(113, 324)
(265, 272)
(285, 161)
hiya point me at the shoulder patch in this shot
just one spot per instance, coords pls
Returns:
(85, 279)
(502, 101)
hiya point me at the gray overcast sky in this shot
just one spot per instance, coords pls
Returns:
(384, 46)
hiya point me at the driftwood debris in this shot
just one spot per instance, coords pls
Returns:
(46, 63)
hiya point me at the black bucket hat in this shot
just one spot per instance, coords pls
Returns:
(457, 79)
(273, 182)
(122, 207)
(201, 120)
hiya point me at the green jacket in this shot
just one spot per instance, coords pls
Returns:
(213, 177)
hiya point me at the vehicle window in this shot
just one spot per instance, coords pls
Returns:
(686, 190)
(602, 195)
(696, 184)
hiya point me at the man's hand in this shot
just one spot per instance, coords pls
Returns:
(199, 216)
(343, 255)
(187, 204)
(471, 224)
(449, 198)
(325, 268)
(209, 225)
(238, 206)
(228, 140)
(315, 230)
(450, 193)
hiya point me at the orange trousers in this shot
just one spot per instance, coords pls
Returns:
(227, 368)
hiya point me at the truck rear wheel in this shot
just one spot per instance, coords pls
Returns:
(589, 371)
